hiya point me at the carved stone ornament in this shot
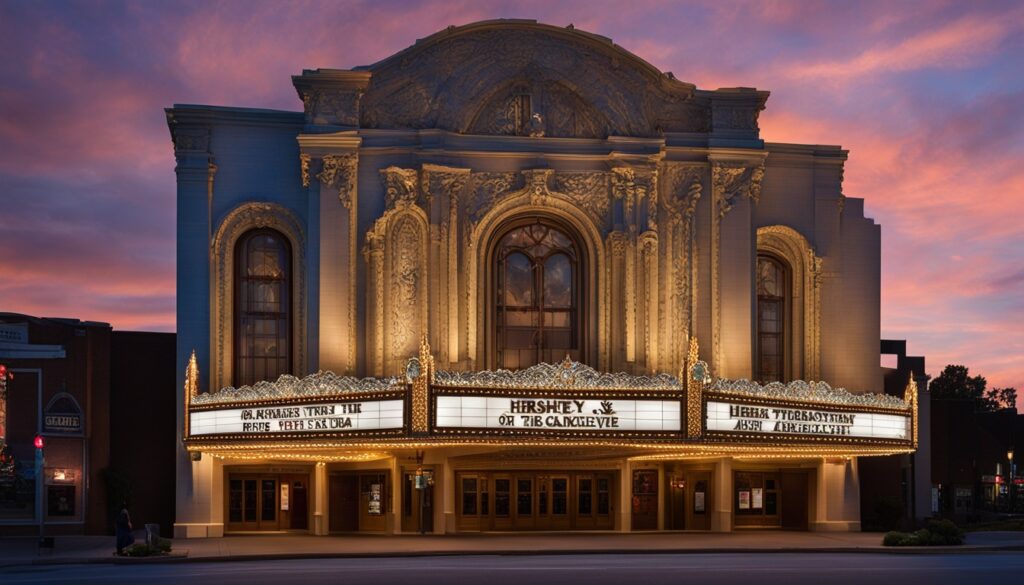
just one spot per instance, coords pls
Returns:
(400, 186)
(473, 80)
(191, 140)
(487, 188)
(684, 189)
(732, 180)
(304, 160)
(589, 190)
(339, 171)
(332, 106)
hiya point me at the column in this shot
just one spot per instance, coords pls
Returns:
(837, 496)
(320, 505)
(721, 509)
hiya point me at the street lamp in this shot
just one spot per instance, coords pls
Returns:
(1009, 487)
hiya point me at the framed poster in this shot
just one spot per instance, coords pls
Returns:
(698, 502)
(744, 500)
(758, 499)
(284, 496)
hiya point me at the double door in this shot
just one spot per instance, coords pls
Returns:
(503, 501)
(267, 502)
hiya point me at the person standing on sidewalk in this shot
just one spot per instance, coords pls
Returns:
(124, 529)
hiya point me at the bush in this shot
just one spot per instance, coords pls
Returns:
(938, 533)
(142, 549)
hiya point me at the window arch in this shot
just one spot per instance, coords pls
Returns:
(262, 310)
(538, 297)
(772, 307)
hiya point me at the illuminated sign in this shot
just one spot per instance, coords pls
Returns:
(785, 420)
(334, 417)
(557, 414)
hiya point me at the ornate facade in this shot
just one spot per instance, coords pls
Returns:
(506, 194)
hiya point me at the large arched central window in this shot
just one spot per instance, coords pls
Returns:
(262, 307)
(771, 319)
(537, 269)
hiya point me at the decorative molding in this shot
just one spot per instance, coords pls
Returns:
(567, 375)
(810, 392)
(288, 386)
(804, 321)
(339, 171)
(304, 160)
(589, 190)
(449, 184)
(397, 251)
(684, 186)
(400, 187)
(243, 218)
(730, 180)
(506, 206)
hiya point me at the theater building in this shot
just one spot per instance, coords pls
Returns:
(515, 278)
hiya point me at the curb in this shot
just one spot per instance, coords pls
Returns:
(185, 558)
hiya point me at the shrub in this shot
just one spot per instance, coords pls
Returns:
(142, 549)
(946, 531)
(938, 533)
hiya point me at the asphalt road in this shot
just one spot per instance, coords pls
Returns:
(643, 569)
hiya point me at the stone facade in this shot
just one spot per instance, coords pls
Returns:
(395, 180)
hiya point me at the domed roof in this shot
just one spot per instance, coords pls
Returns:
(490, 77)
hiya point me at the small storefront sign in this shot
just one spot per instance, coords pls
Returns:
(557, 414)
(62, 416)
(334, 417)
(754, 418)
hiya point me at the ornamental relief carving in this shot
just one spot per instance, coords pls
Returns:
(405, 285)
(487, 187)
(449, 84)
(400, 187)
(588, 190)
(339, 171)
(732, 180)
(333, 107)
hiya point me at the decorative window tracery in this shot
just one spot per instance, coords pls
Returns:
(262, 307)
(537, 308)
(771, 319)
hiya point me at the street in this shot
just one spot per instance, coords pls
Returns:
(648, 569)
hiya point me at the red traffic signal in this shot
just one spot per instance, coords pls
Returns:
(39, 442)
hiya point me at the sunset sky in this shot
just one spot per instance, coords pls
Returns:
(927, 96)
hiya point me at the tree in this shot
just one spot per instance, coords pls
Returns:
(956, 383)
(1003, 397)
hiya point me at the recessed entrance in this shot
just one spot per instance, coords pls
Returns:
(771, 499)
(687, 499)
(535, 500)
(267, 502)
(358, 501)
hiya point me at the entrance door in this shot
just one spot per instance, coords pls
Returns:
(698, 501)
(794, 500)
(252, 503)
(524, 518)
(558, 508)
(344, 504)
(645, 499)
(417, 505)
(299, 505)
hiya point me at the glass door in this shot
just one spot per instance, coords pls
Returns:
(524, 519)
(252, 503)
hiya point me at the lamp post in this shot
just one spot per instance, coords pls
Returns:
(1009, 486)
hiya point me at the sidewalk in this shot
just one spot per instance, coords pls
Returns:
(90, 549)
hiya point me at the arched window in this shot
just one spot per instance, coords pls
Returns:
(262, 307)
(538, 307)
(772, 292)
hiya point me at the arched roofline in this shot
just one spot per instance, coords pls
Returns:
(595, 41)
